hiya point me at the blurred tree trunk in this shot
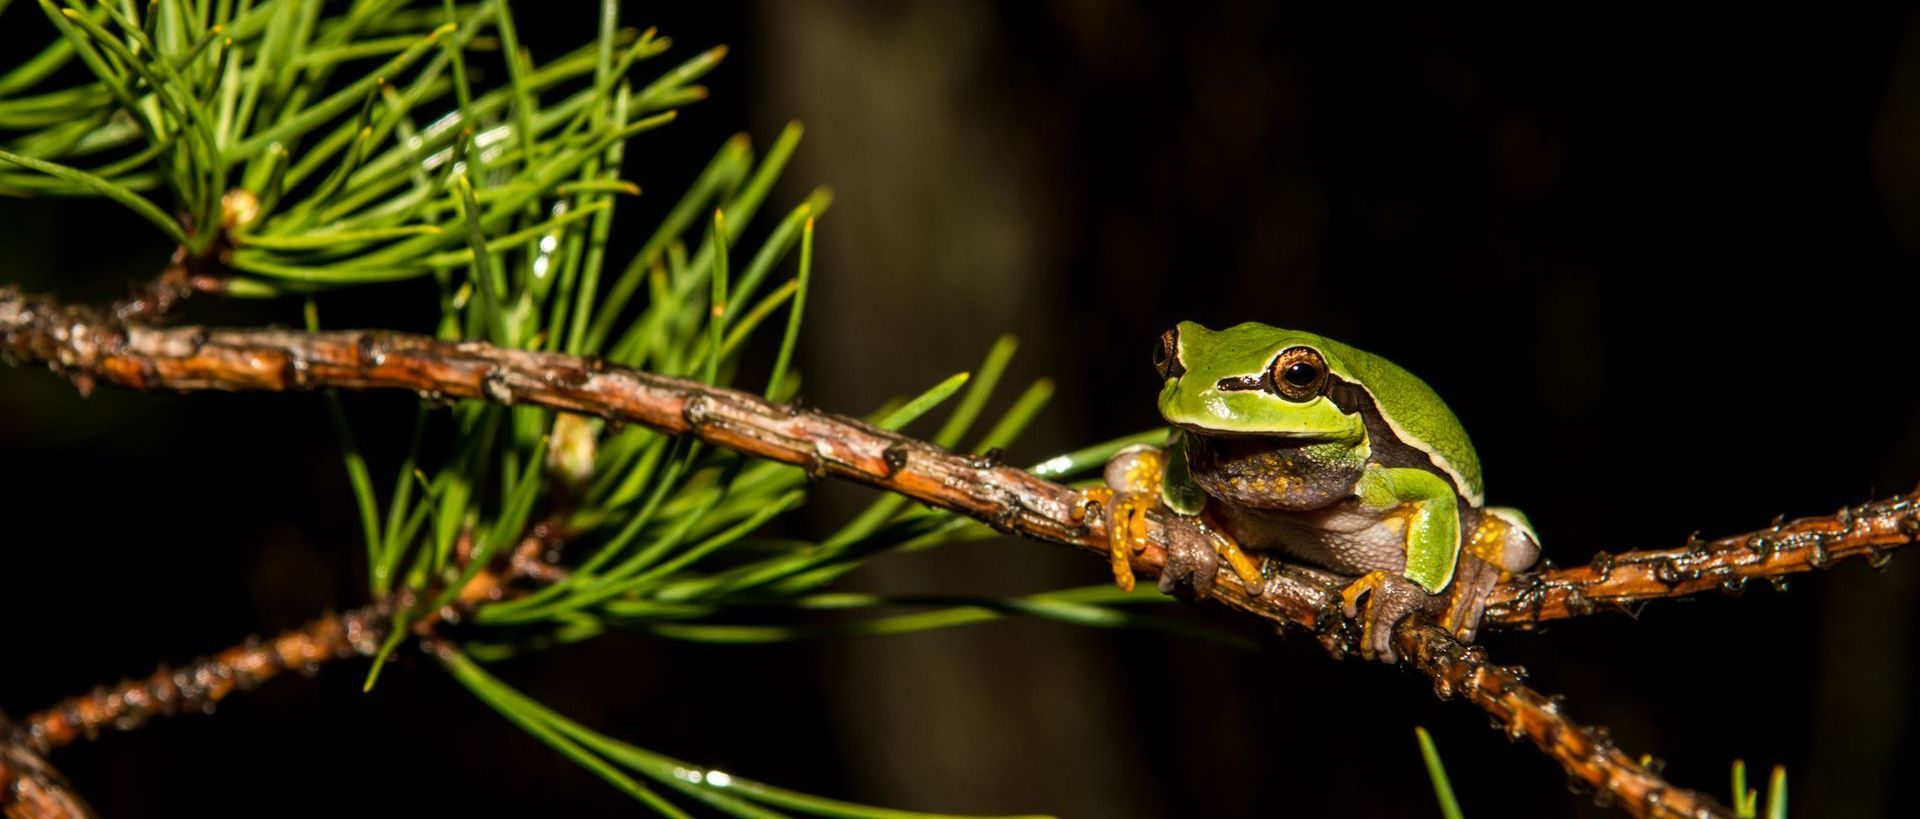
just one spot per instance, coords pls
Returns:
(936, 229)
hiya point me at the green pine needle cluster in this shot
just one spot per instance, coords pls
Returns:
(298, 148)
(1746, 800)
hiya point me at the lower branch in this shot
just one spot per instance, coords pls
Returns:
(29, 787)
(202, 684)
(1587, 754)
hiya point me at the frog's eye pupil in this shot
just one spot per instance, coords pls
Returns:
(1297, 374)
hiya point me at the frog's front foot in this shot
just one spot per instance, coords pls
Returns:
(1126, 532)
(1195, 551)
(1193, 560)
(1133, 478)
(1389, 599)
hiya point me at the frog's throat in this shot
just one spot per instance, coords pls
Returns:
(1259, 472)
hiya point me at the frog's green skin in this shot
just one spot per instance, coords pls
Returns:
(1365, 471)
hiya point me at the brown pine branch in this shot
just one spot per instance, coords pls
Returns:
(1871, 531)
(29, 787)
(1587, 754)
(203, 683)
(90, 347)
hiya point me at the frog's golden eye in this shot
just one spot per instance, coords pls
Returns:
(1298, 373)
(1166, 356)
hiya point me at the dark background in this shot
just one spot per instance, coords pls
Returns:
(1661, 262)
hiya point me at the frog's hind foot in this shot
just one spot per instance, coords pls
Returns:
(1500, 542)
(1473, 583)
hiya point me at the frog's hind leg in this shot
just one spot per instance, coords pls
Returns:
(1504, 538)
(1425, 508)
(1501, 542)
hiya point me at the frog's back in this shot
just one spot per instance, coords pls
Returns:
(1414, 411)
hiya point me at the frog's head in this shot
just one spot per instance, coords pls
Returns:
(1253, 380)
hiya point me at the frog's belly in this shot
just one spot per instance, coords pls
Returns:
(1344, 538)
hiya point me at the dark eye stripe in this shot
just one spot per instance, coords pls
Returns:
(1241, 382)
(1166, 356)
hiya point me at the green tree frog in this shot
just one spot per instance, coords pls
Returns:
(1289, 442)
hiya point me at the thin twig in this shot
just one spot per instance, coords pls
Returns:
(29, 787)
(202, 684)
(183, 277)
